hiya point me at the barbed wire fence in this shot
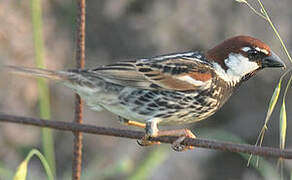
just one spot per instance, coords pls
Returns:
(78, 128)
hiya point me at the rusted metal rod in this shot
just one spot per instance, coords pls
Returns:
(80, 62)
(197, 142)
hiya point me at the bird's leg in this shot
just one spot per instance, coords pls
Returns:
(151, 130)
(131, 123)
(144, 141)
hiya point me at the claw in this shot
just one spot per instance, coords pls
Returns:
(177, 146)
(146, 142)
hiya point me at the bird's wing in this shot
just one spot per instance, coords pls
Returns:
(183, 72)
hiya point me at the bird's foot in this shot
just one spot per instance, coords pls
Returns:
(182, 135)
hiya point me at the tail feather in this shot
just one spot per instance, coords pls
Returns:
(50, 74)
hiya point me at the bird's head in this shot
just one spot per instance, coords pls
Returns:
(238, 58)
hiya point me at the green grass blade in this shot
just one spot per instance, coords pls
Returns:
(273, 101)
(283, 125)
(283, 117)
(272, 104)
(283, 129)
(48, 144)
(21, 172)
(44, 162)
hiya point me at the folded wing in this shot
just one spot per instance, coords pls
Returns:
(182, 72)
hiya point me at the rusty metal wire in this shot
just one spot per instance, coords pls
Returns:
(197, 142)
(80, 62)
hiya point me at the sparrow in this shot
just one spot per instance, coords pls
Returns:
(169, 89)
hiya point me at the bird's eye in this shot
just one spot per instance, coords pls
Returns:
(252, 52)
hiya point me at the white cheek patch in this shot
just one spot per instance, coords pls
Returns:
(238, 66)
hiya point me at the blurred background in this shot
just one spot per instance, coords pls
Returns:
(125, 29)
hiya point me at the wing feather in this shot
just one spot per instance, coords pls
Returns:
(181, 72)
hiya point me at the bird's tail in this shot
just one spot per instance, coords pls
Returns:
(50, 74)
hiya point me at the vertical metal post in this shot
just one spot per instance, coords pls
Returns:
(80, 61)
